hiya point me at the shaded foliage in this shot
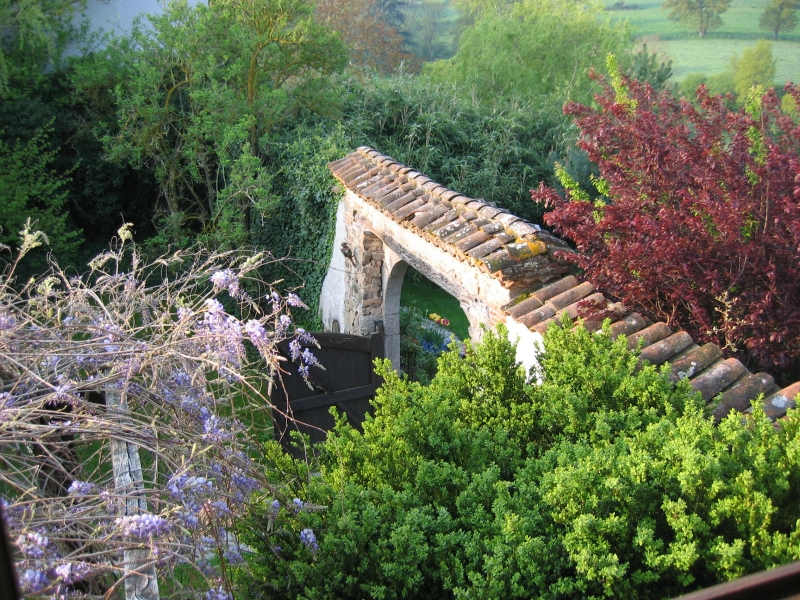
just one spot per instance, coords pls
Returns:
(485, 151)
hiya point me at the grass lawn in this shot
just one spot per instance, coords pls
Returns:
(421, 293)
(711, 55)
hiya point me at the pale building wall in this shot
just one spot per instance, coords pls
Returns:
(529, 345)
(118, 15)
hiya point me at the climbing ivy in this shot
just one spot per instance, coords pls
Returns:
(300, 230)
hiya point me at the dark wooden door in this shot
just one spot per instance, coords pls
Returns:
(348, 382)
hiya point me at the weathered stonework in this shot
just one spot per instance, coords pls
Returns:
(391, 217)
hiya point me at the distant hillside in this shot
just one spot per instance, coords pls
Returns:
(690, 54)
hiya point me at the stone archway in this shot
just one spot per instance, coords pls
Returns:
(391, 217)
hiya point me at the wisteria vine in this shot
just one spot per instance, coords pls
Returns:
(171, 338)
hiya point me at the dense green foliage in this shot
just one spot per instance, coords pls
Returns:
(198, 90)
(496, 153)
(534, 49)
(29, 189)
(602, 481)
(33, 34)
(301, 231)
(490, 151)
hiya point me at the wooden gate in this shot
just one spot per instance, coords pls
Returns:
(347, 382)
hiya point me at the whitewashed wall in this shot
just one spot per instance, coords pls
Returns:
(334, 287)
(118, 15)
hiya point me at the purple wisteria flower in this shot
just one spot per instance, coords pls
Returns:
(80, 488)
(276, 301)
(72, 571)
(33, 545)
(143, 526)
(309, 540)
(309, 359)
(233, 556)
(33, 581)
(226, 279)
(257, 334)
(215, 430)
(246, 486)
(294, 300)
(274, 508)
(217, 594)
(7, 321)
(284, 321)
(305, 337)
(298, 504)
(295, 350)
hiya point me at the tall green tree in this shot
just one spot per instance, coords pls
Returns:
(779, 15)
(700, 14)
(756, 67)
(32, 35)
(198, 89)
(29, 189)
(538, 49)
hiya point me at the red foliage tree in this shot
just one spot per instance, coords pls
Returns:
(702, 224)
(364, 27)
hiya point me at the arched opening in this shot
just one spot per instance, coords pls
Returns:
(430, 320)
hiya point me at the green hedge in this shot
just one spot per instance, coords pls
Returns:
(603, 481)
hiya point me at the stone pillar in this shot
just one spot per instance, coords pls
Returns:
(370, 284)
(394, 272)
(363, 302)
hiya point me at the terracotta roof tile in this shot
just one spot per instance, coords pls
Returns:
(572, 295)
(652, 334)
(628, 325)
(776, 405)
(717, 377)
(402, 201)
(572, 311)
(739, 395)
(472, 240)
(659, 352)
(461, 233)
(410, 208)
(691, 363)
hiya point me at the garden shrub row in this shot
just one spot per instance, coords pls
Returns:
(604, 480)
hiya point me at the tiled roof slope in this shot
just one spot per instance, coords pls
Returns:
(708, 372)
(509, 248)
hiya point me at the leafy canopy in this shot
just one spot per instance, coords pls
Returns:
(700, 14)
(535, 49)
(29, 189)
(779, 15)
(197, 89)
(32, 35)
